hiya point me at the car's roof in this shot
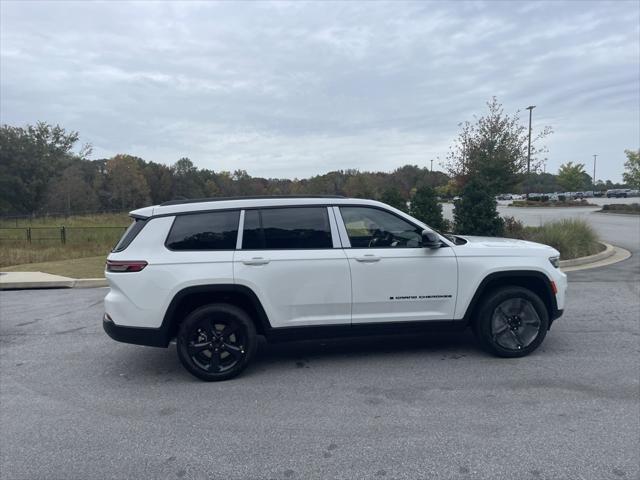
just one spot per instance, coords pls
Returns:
(182, 206)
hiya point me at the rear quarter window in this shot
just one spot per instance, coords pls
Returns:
(130, 233)
(204, 231)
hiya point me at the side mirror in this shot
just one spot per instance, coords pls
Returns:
(430, 239)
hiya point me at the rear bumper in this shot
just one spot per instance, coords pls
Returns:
(555, 314)
(152, 337)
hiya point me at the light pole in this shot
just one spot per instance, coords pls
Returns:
(594, 174)
(432, 165)
(530, 108)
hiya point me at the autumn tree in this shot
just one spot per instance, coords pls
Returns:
(631, 175)
(127, 186)
(494, 148)
(187, 181)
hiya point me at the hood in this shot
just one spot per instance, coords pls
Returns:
(499, 242)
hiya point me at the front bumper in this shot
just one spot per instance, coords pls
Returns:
(152, 337)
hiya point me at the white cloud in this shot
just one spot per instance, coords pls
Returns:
(294, 89)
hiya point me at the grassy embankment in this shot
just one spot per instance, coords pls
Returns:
(571, 237)
(82, 256)
(630, 209)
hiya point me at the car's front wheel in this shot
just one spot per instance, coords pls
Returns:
(216, 342)
(511, 322)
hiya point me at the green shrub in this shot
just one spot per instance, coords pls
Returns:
(571, 237)
(513, 228)
(622, 208)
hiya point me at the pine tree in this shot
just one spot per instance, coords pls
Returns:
(476, 213)
(425, 207)
(392, 197)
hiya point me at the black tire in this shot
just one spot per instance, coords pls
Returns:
(511, 322)
(216, 342)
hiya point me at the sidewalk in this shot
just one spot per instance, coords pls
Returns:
(30, 280)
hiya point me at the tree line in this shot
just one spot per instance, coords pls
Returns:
(44, 170)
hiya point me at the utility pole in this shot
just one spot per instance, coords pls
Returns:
(594, 173)
(530, 108)
(432, 165)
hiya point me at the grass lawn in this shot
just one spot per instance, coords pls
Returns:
(90, 267)
(96, 220)
(39, 240)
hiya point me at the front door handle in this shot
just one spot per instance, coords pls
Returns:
(256, 261)
(368, 259)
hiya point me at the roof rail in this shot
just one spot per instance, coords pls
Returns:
(255, 197)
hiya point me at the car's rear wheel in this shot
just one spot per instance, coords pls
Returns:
(216, 342)
(511, 322)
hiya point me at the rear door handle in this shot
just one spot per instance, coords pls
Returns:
(256, 261)
(368, 259)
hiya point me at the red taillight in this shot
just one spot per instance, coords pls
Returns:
(554, 287)
(125, 265)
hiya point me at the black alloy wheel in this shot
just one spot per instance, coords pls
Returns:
(216, 342)
(511, 322)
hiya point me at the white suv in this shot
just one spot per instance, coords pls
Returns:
(215, 273)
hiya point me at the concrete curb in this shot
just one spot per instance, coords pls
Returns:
(619, 254)
(613, 212)
(90, 283)
(574, 262)
(35, 280)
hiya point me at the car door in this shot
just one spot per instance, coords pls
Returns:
(292, 259)
(394, 278)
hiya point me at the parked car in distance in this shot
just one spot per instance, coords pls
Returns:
(214, 274)
(618, 193)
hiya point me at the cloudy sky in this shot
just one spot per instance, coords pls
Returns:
(295, 89)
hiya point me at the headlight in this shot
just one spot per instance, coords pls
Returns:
(555, 261)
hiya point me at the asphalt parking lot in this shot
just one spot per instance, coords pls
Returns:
(76, 405)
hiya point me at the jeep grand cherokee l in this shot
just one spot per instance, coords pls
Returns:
(213, 274)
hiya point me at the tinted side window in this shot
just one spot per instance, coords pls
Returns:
(287, 228)
(374, 228)
(130, 233)
(204, 231)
